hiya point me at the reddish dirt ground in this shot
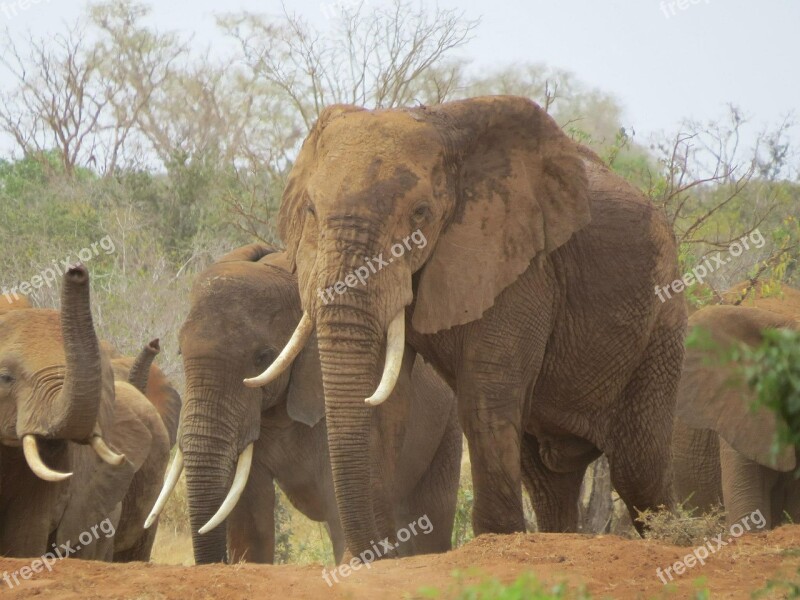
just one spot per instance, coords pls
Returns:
(610, 567)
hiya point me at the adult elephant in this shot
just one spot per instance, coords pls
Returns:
(529, 286)
(722, 450)
(243, 310)
(58, 402)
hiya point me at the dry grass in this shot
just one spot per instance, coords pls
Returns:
(682, 527)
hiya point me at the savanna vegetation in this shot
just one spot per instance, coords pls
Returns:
(116, 128)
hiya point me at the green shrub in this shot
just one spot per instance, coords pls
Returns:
(526, 587)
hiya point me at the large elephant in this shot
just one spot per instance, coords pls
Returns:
(529, 285)
(721, 448)
(243, 310)
(59, 405)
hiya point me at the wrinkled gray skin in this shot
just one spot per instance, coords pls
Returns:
(57, 383)
(721, 449)
(243, 310)
(533, 297)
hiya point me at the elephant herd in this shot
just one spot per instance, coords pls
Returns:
(527, 320)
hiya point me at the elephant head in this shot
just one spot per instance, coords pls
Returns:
(244, 309)
(713, 396)
(55, 384)
(481, 187)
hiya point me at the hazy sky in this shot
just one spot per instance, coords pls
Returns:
(661, 66)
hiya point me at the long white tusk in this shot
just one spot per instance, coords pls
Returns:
(289, 353)
(169, 484)
(104, 452)
(395, 346)
(237, 487)
(41, 470)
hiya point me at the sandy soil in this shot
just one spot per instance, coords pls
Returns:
(610, 567)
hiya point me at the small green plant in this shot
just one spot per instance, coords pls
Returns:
(782, 588)
(526, 587)
(772, 370)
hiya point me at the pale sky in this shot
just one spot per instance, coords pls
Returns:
(662, 67)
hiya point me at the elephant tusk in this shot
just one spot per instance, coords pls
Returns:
(104, 452)
(395, 346)
(31, 450)
(237, 487)
(289, 353)
(169, 484)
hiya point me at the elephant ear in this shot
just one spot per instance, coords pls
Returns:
(713, 396)
(521, 190)
(291, 217)
(305, 401)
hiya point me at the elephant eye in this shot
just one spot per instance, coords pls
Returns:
(6, 378)
(311, 210)
(420, 213)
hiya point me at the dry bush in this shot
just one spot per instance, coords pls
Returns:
(682, 527)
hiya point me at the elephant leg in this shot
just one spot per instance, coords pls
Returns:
(791, 506)
(554, 495)
(432, 503)
(639, 430)
(747, 487)
(494, 448)
(251, 525)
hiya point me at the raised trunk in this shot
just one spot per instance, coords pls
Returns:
(349, 350)
(140, 370)
(66, 402)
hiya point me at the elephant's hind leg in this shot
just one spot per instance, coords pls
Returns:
(554, 495)
(639, 429)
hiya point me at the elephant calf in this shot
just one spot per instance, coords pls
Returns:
(721, 449)
(244, 308)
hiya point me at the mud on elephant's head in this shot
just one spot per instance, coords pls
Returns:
(244, 309)
(55, 383)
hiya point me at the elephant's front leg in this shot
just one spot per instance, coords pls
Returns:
(491, 419)
(251, 525)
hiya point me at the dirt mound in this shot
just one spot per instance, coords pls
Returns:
(608, 566)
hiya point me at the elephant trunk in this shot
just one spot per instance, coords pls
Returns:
(349, 350)
(217, 425)
(207, 476)
(140, 371)
(66, 401)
